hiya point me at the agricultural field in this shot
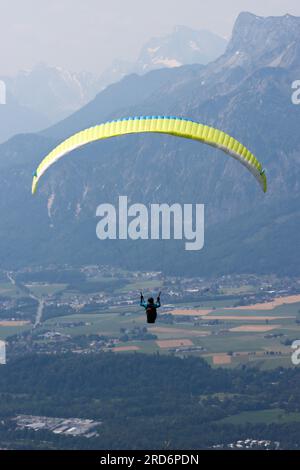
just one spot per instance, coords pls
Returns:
(227, 340)
(13, 328)
(211, 326)
(8, 289)
(41, 290)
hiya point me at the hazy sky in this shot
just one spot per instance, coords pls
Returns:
(88, 34)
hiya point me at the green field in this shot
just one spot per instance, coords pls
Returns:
(7, 331)
(141, 286)
(108, 324)
(40, 290)
(238, 290)
(8, 289)
(276, 415)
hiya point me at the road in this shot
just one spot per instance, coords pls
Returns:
(41, 302)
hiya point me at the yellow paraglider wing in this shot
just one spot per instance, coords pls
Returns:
(161, 124)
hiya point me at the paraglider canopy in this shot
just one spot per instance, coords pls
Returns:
(158, 124)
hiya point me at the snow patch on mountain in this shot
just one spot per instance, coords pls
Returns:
(166, 62)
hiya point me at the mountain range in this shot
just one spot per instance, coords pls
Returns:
(245, 92)
(44, 95)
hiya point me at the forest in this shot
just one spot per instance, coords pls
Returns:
(146, 402)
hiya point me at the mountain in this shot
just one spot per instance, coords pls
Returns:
(182, 47)
(44, 95)
(246, 92)
(16, 119)
(119, 97)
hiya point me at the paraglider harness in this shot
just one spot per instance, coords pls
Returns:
(150, 308)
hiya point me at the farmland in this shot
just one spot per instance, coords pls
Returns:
(229, 323)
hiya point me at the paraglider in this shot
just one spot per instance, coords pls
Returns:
(156, 124)
(174, 126)
(150, 306)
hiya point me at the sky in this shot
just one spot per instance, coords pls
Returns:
(87, 35)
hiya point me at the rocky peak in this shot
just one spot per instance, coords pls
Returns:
(263, 39)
